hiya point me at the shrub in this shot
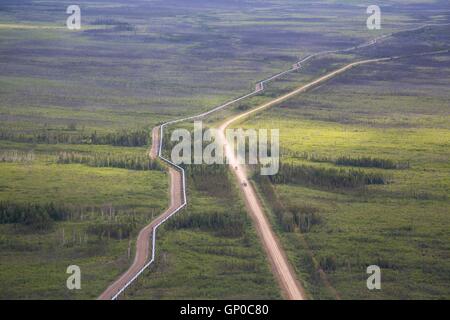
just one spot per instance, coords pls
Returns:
(108, 160)
(117, 231)
(325, 177)
(212, 179)
(16, 156)
(291, 218)
(35, 216)
(225, 224)
(136, 138)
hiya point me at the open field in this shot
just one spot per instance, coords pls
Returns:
(102, 207)
(210, 250)
(158, 60)
(77, 108)
(396, 111)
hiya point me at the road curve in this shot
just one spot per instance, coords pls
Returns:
(143, 252)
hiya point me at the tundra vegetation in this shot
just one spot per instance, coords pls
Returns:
(76, 112)
(211, 250)
(365, 179)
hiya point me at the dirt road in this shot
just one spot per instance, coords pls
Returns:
(155, 143)
(282, 269)
(143, 249)
(301, 89)
(284, 273)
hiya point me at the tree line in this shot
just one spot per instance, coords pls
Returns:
(137, 138)
(326, 177)
(41, 217)
(365, 162)
(36, 216)
(124, 138)
(16, 156)
(115, 230)
(370, 162)
(227, 224)
(290, 218)
(109, 160)
(212, 179)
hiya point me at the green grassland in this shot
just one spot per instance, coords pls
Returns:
(397, 111)
(132, 66)
(33, 262)
(175, 59)
(196, 260)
